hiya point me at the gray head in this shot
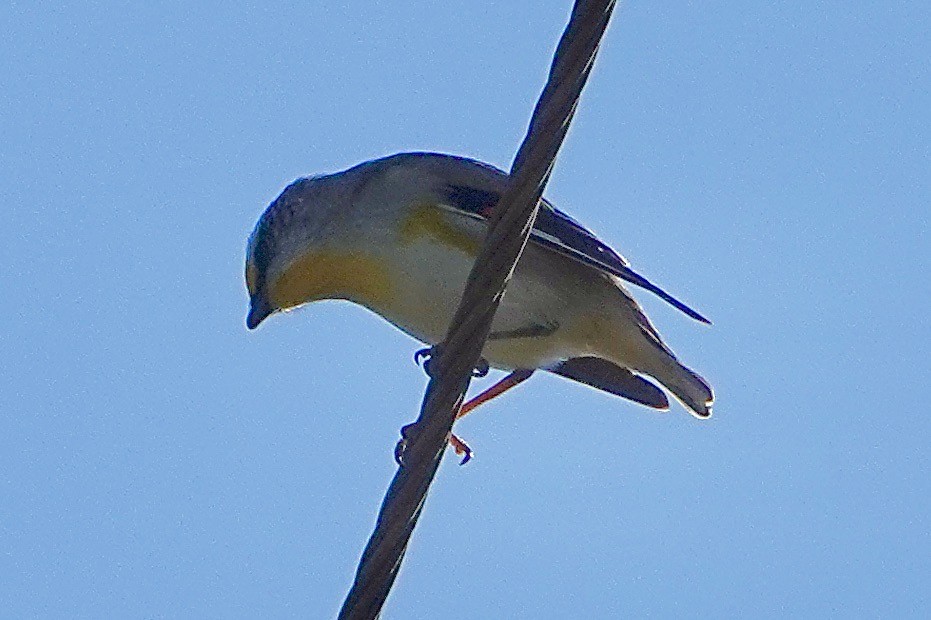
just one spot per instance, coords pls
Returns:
(321, 238)
(294, 223)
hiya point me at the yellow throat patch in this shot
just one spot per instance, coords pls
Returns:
(331, 274)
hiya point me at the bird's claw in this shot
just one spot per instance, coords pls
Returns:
(461, 447)
(423, 357)
(401, 447)
(481, 369)
(423, 354)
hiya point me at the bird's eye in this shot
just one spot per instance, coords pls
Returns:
(252, 278)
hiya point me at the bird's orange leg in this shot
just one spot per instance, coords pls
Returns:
(499, 388)
(516, 377)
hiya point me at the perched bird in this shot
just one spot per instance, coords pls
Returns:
(399, 236)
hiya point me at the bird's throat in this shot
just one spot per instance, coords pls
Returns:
(329, 274)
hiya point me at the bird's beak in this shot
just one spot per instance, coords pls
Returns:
(259, 309)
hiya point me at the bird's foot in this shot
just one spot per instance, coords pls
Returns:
(425, 356)
(462, 448)
(401, 447)
(481, 369)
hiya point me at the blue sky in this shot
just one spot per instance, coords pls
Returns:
(768, 163)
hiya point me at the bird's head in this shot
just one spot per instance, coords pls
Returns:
(292, 226)
(310, 244)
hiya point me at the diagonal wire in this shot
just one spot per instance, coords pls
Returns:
(452, 368)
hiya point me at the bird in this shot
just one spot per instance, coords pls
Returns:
(398, 235)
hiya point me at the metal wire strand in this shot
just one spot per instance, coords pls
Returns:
(508, 231)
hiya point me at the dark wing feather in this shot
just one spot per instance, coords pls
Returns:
(613, 379)
(557, 231)
(472, 200)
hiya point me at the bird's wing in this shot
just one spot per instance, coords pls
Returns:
(559, 232)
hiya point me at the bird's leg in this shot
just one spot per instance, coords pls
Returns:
(502, 386)
(513, 379)
(499, 388)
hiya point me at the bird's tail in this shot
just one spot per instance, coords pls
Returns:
(659, 362)
(689, 387)
(639, 348)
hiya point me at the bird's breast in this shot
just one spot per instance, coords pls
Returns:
(430, 264)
